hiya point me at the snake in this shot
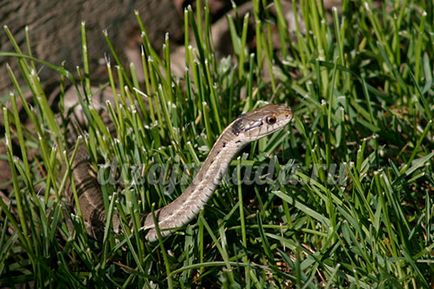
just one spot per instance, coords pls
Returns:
(162, 222)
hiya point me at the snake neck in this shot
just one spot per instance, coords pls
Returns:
(217, 161)
(193, 199)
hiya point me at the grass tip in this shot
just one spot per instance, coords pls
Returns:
(366, 5)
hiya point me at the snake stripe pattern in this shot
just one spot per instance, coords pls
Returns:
(243, 130)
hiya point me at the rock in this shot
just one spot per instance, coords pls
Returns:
(54, 29)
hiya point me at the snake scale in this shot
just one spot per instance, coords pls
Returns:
(243, 130)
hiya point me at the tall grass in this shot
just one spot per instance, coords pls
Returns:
(349, 203)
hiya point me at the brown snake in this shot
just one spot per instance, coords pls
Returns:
(243, 130)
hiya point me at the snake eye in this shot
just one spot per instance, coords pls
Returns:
(271, 119)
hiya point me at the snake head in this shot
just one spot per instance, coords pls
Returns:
(261, 122)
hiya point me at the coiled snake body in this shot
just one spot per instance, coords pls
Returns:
(245, 129)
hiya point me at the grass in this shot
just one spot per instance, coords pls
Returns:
(349, 204)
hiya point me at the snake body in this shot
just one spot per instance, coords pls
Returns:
(243, 130)
(89, 193)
